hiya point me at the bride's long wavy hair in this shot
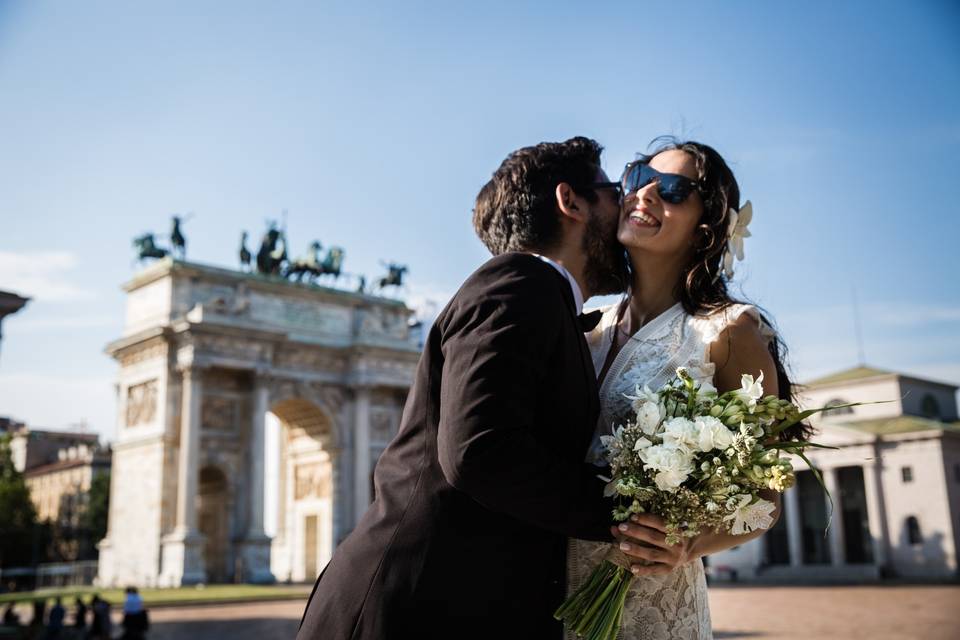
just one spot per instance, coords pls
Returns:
(702, 287)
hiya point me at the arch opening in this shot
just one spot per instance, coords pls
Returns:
(301, 504)
(213, 521)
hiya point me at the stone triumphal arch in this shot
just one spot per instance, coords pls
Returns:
(208, 357)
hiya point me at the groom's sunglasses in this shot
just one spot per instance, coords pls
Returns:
(671, 187)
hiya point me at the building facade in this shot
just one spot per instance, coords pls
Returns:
(60, 491)
(33, 448)
(208, 358)
(894, 479)
(59, 469)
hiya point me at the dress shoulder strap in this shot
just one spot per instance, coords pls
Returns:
(710, 326)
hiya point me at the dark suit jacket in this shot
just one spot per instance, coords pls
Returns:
(485, 480)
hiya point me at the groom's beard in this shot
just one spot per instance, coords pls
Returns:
(606, 268)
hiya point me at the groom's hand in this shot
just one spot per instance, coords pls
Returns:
(645, 538)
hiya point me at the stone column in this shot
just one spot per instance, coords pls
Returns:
(257, 454)
(361, 440)
(256, 547)
(876, 514)
(181, 554)
(342, 471)
(791, 508)
(837, 553)
(188, 468)
(283, 487)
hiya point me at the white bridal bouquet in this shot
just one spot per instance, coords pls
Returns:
(699, 460)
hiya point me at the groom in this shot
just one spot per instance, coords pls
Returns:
(478, 492)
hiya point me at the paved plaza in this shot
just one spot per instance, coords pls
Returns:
(877, 613)
(768, 613)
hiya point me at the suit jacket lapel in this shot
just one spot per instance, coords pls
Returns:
(593, 391)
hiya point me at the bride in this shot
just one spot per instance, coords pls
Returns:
(681, 224)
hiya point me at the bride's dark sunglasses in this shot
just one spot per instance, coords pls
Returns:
(671, 187)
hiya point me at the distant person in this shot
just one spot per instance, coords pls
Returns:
(96, 625)
(10, 617)
(102, 626)
(55, 621)
(80, 616)
(39, 613)
(132, 602)
(134, 615)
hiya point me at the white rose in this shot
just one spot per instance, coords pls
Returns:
(669, 480)
(712, 434)
(681, 433)
(648, 417)
(672, 465)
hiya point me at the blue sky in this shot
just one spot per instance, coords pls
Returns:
(375, 124)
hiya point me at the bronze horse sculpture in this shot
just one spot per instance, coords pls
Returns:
(146, 246)
(394, 277)
(308, 264)
(313, 267)
(177, 239)
(272, 253)
(245, 256)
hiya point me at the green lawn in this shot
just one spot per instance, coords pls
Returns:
(153, 597)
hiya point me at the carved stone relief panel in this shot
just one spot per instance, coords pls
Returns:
(312, 480)
(380, 322)
(219, 412)
(382, 424)
(333, 397)
(228, 301)
(301, 315)
(309, 359)
(219, 298)
(389, 397)
(387, 371)
(141, 403)
(231, 346)
(282, 388)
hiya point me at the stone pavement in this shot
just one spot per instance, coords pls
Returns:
(874, 612)
(762, 613)
(247, 621)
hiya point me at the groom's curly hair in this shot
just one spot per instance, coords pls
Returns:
(516, 210)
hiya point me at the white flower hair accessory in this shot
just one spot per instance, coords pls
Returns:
(736, 231)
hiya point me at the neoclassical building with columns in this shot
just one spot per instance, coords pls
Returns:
(209, 359)
(894, 479)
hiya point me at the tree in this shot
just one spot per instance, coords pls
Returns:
(18, 524)
(95, 517)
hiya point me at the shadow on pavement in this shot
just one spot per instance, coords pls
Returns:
(237, 629)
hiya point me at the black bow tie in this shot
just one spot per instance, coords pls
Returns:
(589, 321)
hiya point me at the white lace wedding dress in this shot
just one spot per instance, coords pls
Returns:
(672, 606)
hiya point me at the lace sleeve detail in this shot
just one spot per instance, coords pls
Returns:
(710, 327)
